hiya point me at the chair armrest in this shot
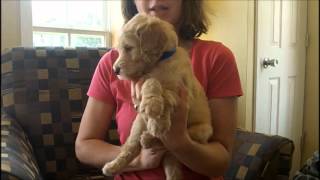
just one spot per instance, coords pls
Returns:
(260, 156)
(17, 158)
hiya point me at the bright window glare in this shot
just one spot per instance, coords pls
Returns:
(83, 40)
(84, 15)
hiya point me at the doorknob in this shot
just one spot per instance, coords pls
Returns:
(269, 62)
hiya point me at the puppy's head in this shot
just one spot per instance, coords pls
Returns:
(142, 42)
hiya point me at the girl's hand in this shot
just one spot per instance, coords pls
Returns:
(136, 92)
(178, 133)
(147, 159)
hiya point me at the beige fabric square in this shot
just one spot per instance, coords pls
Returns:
(75, 127)
(242, 172)
(75, 94)
(5, 122)
(43, 74)
(51, 166)
(46, 118)
(41, 53)
(3, 144)
(5, 167)
(4, 155)
(48, 139)
(44, 95)
(254, 149)
(72, 63)
(4, 132)
(6, 67)
(7, 100)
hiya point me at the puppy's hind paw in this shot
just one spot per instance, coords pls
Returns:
(108, 169)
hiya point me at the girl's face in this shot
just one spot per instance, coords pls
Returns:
(168, 10)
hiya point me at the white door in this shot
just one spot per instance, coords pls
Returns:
(280, 69)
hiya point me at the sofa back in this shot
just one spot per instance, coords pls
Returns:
(45, 90)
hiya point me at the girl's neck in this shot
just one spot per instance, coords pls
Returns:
(186, 44)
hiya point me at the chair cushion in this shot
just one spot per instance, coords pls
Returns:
(259, 156)
(17, 155)
(45, 90)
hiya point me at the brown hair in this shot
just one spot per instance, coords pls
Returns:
(193, 19)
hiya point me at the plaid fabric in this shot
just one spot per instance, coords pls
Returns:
(6, 175)
(45, 90)
(17, 158)
(259, 156)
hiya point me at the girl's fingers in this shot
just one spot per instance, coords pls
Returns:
(137, 90)
(158, 151)
(138, 87)
(133, 91)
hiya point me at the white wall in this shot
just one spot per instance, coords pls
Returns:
(10, 25)
(116, 20)
(232, 22)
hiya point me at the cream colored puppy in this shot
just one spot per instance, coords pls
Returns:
(148, 49)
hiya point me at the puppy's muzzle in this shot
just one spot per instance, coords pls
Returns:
(117, 70)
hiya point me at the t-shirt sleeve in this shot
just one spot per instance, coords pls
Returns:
(100, 87)
(224, 80)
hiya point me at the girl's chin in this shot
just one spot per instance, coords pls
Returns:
(121, 77)
(163, 16)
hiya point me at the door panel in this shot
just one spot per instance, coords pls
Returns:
(274, 105)
(280, 67)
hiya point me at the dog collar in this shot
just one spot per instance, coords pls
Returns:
(167, 54)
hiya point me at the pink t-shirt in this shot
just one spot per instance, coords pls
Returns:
(214, 66)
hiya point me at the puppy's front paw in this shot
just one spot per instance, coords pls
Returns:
(109, 169)
(152, 106)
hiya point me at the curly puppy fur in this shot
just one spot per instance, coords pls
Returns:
(142, 42)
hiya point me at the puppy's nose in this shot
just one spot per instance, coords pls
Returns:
(116, 70)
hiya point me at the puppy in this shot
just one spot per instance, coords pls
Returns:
(148, 50)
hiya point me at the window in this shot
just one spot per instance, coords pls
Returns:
(70, 23)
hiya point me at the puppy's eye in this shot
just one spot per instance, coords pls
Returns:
(127, 48)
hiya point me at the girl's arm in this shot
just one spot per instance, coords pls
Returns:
(91, 147)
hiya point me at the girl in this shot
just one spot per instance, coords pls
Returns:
(215, 68)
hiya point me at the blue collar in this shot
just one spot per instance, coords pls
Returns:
(167, 54)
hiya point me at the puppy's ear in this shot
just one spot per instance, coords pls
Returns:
(152, 38)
